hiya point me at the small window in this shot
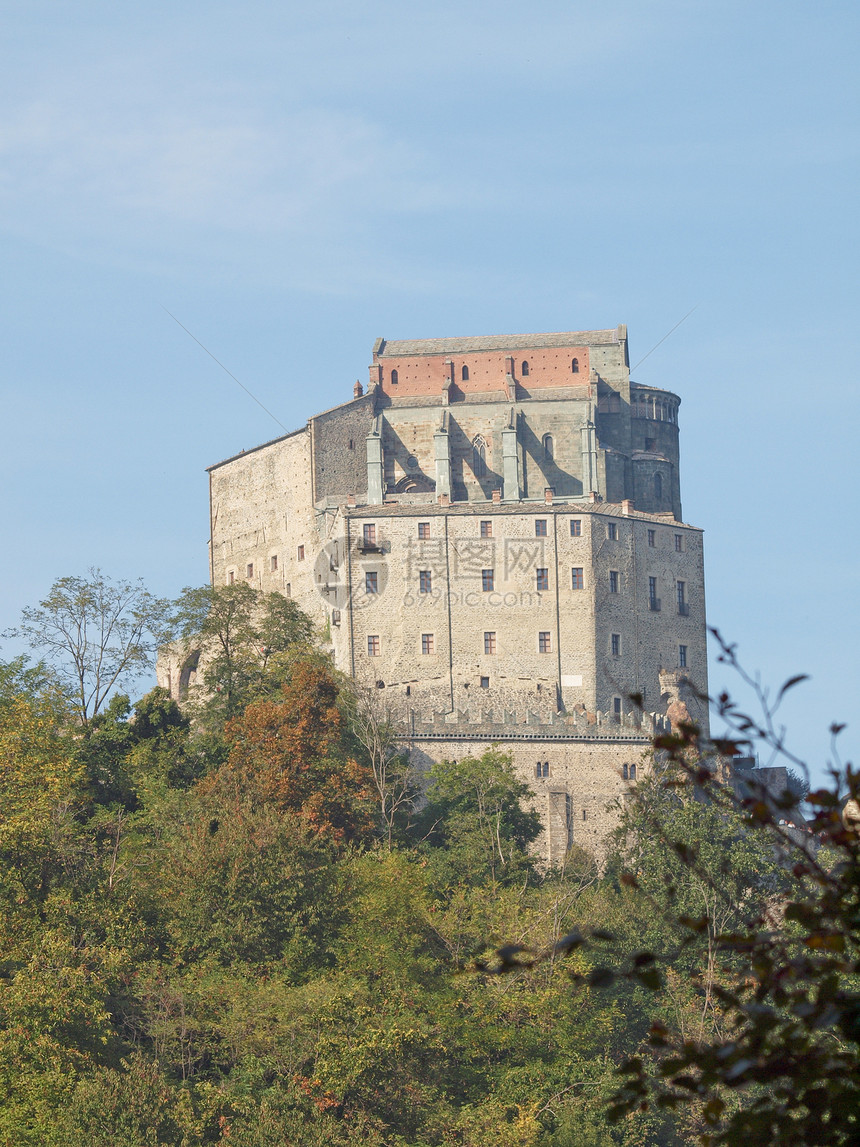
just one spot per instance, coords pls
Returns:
(488, 578)
(548, 448)
(423, 531)
(231, 577)
(652, 538)
(369, 534)
(615, 644)
(425, 581)
(632, 773)
(584, 815)
(542, 769)
(613, 581)
(616, 706)
(352, 443)
(658, 487)
(373, 645)
(682, 656)
(576, 578)
(625, 775)
(544, 641)
(542, 579)
(612, 531)
(464, 374)
(489, 643)
(289, 589)
(540, 527)
(576, 527)
(679, 543)
(574, 366)
(486, 529)
(249, 570)
(485, 683)
(300, 553)
(653, 600)
(524, 369)
(335, 617)
(426, 642)
(650, 445)
(371, 582)
(273, 563)
(394, 378)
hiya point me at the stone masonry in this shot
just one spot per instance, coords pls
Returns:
(493, 533)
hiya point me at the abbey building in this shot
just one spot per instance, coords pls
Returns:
(492, 532)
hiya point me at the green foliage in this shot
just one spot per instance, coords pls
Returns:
(96, 633)
(477, 821)
(245, 634)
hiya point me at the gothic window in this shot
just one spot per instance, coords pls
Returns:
(548, 448)
(524, 370)
(479, 457)
(464, 374)
(574, 366)
(658, 487)
(394, 378)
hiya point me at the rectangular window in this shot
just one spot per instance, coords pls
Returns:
(679, 543)
(423, 531)
(373, 645)
(371, 582)
(615, 644)
(576, 528)
(652, 538)
(683, 607)
(231, 577)
(335, 617)
(613, 581)
(273, 562)
(682, 656)
(425, 581)
(249, 571)
(542, 579)
(612, 531)
(426, 642)
(540, 527)
(576, 580)
(653, 599)
(616, 706)
(544, 642)
(369, 534)
(301, 553)
(486, 529)
(488, 578)
(489, 643)
(485, 683)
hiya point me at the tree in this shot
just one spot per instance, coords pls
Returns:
(394, 778)
(475, 810)
(243, 632)
(96, 633)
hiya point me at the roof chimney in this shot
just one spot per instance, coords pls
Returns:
(497, 495)
(357, 390)
(547, 495)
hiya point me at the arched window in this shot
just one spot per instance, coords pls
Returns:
(624, 773)
(524, 369)
(658, 487)
(394, 378)
(479, 457)
(632, 772)
(464, 373)
(574, 366)
(548, 448)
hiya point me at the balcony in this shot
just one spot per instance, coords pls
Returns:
(365, 547)
(655, 605)
(684, 608)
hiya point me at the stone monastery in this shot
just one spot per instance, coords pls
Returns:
(493, 533)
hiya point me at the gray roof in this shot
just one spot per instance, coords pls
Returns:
(400, 347)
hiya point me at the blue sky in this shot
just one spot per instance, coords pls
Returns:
(294, 181)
